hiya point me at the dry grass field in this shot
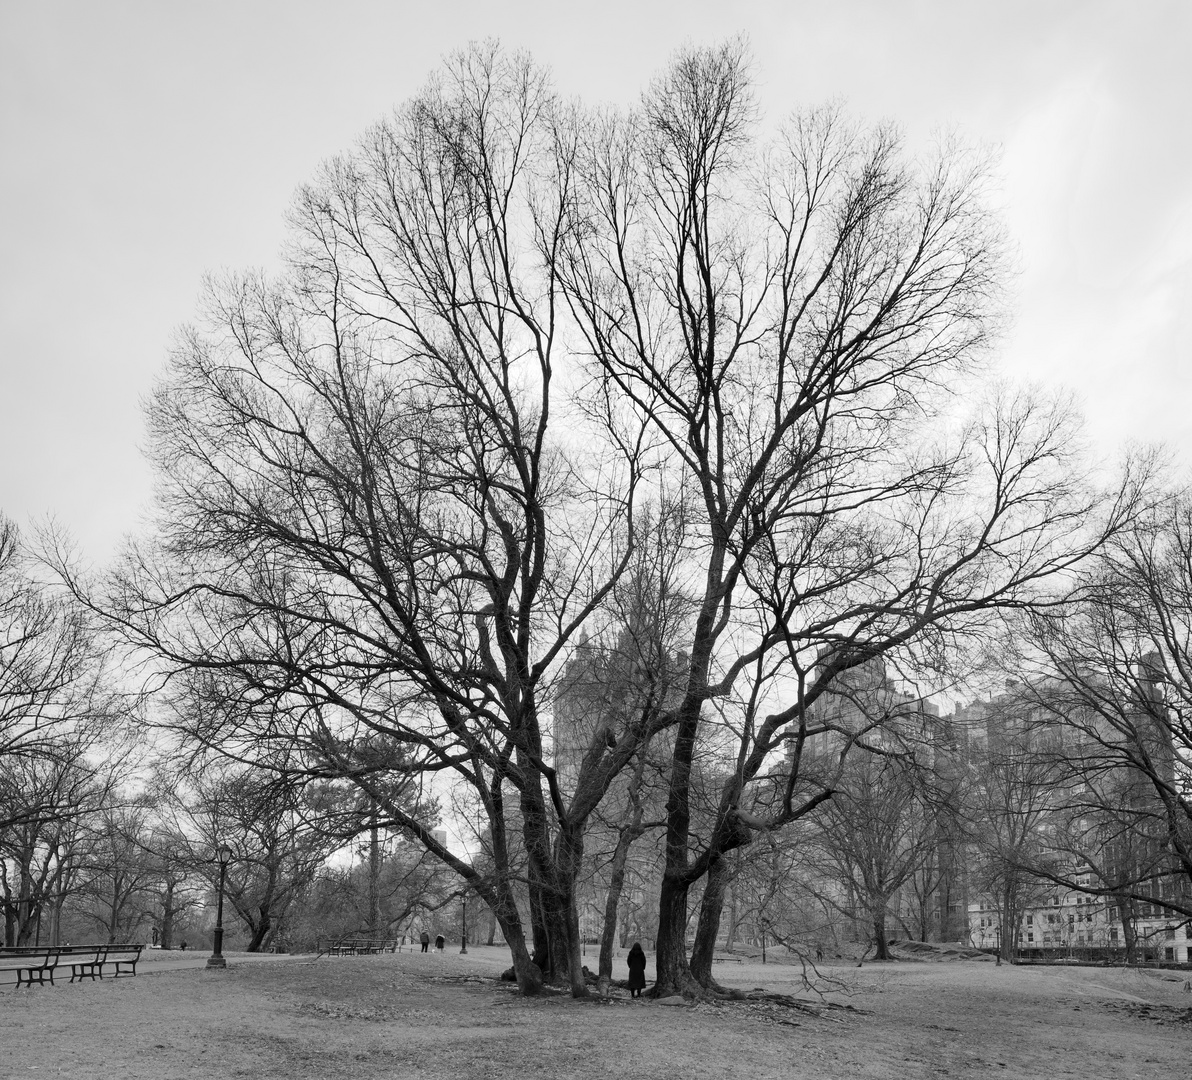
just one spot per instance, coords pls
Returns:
(409, 1015)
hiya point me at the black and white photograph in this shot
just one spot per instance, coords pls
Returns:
(624, 539)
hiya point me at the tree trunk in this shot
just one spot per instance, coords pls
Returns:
(1004, 909)
(612, 902)
(260, 931)
(672, 972)
(168, 915)
(708, 927)
(731, 936)
(374, 876)
(1126, 907)
(879, 933)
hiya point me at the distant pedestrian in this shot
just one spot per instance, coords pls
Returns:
(440, 943)
(425, 939)
(183, 945)
(637, 970)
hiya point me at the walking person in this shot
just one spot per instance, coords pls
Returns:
(425, 939)
(637, 970)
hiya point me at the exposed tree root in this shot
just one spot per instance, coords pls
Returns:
(820, 1009)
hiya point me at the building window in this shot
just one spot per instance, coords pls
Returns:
(1030, 920)
(1030, 937)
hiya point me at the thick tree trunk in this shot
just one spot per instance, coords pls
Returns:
(673, 975)
(672, 972)
(708, 928)
(260, 930)
(504, 909)
(1008, 920)
(1129, 936)
(879, 934)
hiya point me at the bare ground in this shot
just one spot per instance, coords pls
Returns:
(410, 1015)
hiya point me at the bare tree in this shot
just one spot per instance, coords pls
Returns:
(277, 849)
(1011, 805)
(399, 481)
(782, 319)
(55, 701)
(380, 514)
(1113, 674)
(873, 835)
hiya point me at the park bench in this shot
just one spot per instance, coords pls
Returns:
(36, 964)
(31, 965)
(120, 959)
(358, 946)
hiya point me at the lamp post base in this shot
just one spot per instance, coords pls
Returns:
(216, 962)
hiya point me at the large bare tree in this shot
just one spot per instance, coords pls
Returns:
(383, 515)
(398, 481)
(784, 316)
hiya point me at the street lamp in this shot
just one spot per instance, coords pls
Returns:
(463, 951)
(216, 959)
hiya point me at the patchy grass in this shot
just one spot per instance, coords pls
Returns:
(409, 1015)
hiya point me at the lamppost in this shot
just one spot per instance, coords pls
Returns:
(216, 959)
(464, 948)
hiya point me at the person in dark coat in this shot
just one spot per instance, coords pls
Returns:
(637, 970)
(425, 941)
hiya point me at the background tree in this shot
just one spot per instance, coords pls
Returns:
(55, 803)
(1113, 674)
(1012, 802)
(876, 832)
(276, 848)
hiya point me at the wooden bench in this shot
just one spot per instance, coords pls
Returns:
(88, 962)
(32, 965)
(36, 964)
(358, 947)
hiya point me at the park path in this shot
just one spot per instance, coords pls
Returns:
(157, 963)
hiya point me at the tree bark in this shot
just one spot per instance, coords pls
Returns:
(708, 928)
(612, 902)
(879, 933)
(260, 930)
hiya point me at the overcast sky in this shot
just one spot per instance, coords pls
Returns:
(142, 144)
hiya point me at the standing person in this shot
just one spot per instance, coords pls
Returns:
(425, 939)
(440, 943)
(637, 970)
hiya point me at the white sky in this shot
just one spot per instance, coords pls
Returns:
(142, 144)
